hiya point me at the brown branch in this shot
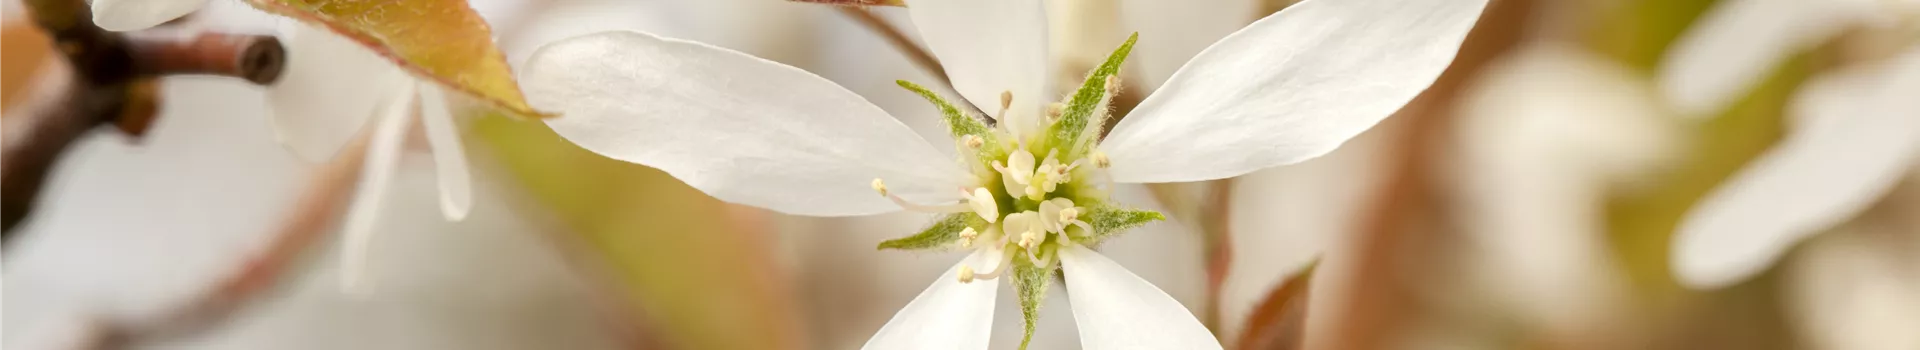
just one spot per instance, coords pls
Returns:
(256, 58)
(109, 80)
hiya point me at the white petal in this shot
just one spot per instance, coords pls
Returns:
(449, 154)
(1288, 88)
(989, 47)
(1824, 172)
(743, 129)
(1116, 310)
(948, 315)
(1738, 42)
(125, 15)
(388, 141)
(330, 88)
(1174, 31)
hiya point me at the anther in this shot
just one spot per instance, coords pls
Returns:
(1006, 100)
(1113, 84)
(966, 274)
(975, 141)
(880, 186)
(1100, 160)
(1054, 110)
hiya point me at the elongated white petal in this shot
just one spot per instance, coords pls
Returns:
(989, 47)
(449, 154)
(388, 141)
(125, 15)
(330, 88)
(1735, 44)
(1116, 310)
(1864, 137)
(1289, 87)
(743, 129)
(1174, 31)
(948, 315)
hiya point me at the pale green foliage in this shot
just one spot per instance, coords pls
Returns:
(943, 233)
(960, 124)
(1031, 283)
(1108, 220)
(1085, 113)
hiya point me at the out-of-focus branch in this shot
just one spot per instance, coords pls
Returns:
(323, 201)
(1373, 314)
(109, 80)
(1217, 236)
(919, 56)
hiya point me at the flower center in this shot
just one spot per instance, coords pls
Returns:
(1028, 206)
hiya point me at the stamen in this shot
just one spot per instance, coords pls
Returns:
(1100, 160)
(975, 142)
(1054, 110)
(1006, 101)
(881, 187)
(966, 274)
(1113, 84)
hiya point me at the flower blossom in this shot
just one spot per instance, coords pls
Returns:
(1028, 194)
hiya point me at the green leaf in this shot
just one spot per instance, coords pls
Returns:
(1089, 104)
(1108, 220)
(940, 235)
(636, 228)
(899, 3)
(1031, 283)
(441, 40)
(1280, 321)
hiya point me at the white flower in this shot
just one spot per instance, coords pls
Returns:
(1287, 88)
(332, 89)
(1856, 130)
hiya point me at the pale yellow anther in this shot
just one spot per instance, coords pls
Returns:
(1054, 110)
(969, 234)
(966, 274)
(1100, 160)
(975, 141)
(1006, 100)
(1069, 214)
(880, 186)
(1028, 239)
(965, 243)
(1113, 84)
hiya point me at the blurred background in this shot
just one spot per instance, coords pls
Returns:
(1528, 200)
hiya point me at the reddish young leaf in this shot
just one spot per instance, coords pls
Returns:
(1280, 321)
(442, 40)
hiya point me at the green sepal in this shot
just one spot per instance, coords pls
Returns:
(1088, 107)
(943, 233)
(1031, 283)
(1108, 220)
(959, 124)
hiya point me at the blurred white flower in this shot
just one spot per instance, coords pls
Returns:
(331, 89)
(1285, 89)
(1856, 131)
(1543, 135)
